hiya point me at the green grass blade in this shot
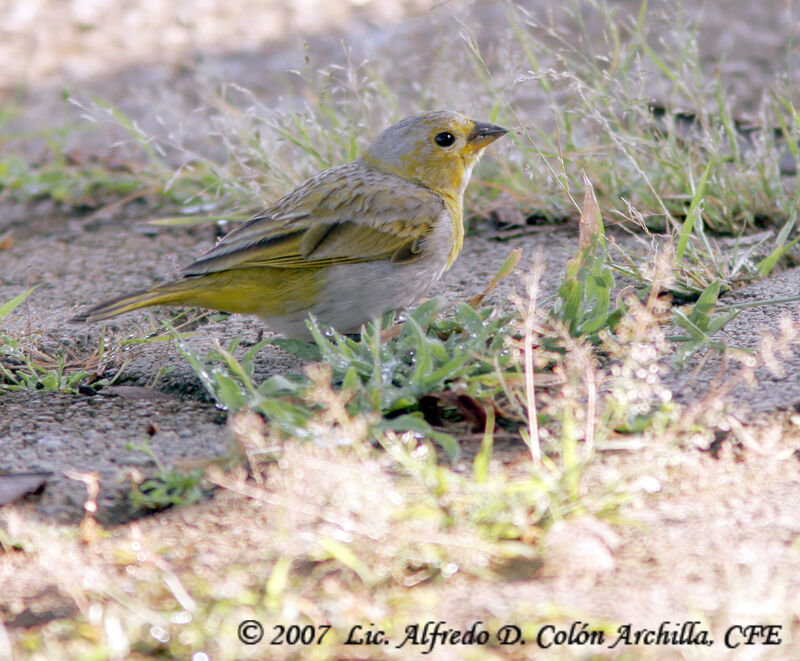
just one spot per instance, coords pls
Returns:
(694, 209)
(9, 306)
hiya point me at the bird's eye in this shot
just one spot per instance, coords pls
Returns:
(445, 139)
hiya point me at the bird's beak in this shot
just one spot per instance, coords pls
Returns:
(484, 134)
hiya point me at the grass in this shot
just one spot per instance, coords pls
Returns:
(23, 367)
(698, 174)
(387, 457)
(165, 488)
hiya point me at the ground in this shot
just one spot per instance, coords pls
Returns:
(706, 536)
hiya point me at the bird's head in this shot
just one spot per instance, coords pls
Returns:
(437, 149)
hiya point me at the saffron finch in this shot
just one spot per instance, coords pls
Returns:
(346, 245)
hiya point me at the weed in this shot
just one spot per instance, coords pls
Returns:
(164, 488)
(23, 367)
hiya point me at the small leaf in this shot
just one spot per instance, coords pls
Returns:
(480, 465)
(344, 554)
(278, 385)
(436, 379)
(351, 380)
(506, 269)
(695, 210)
(425, 312)
(469, 320)
(704, 308)
(279, 578)
(410, 422)
(718, 323)
(9, 306)
(303, 350)
(766, 265)
(687, 324)
(229, 393)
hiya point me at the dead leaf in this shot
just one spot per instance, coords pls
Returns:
(135, 392)
(590, 223)
(90, 530)
(469, 407)
(15, 485)
(391, 332)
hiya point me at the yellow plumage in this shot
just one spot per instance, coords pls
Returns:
(347, 244)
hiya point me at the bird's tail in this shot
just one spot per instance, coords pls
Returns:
(170, 293)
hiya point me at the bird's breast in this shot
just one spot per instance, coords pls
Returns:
(451, 222)
(351, 294)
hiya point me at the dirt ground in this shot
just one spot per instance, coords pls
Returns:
(716, 536)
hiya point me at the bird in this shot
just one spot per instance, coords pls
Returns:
(348, 244)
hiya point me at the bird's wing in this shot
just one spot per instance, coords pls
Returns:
(344, 215)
